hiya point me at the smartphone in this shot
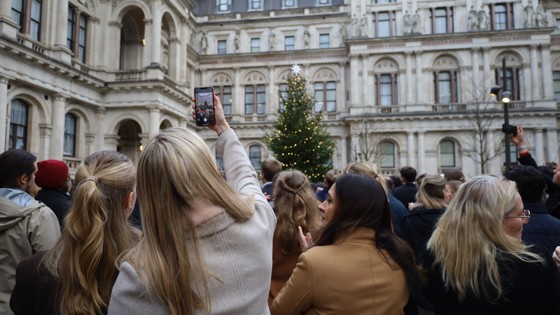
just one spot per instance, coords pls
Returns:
(204, 106)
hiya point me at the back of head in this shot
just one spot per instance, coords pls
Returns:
(530, 182)
(330, 177)
(13, 164)
(454, 174)
(96, 233)
(408, 173)
(295, 205)
(176, 168)
(269, 168)
(472, 227)
(360, 202)
(52, 174)
(367, 169)
(396, 181)
(431, 194)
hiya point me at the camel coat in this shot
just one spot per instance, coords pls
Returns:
(349, 277)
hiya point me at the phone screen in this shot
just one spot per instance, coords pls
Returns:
(204, 106)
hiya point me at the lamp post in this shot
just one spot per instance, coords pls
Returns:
(505, 98)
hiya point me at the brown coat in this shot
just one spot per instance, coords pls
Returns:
(282, 267)
(349, 277)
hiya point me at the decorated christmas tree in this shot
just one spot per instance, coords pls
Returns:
(299, 141)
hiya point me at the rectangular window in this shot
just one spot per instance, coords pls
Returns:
(76, 31)
(323, 2)
(386, 89)
(445, 83)
(255, 44)
(501, 15)
(255, 99)
(556, 79)
(289, 4)
(512, 82)
(325, 97)
(289, 43)
(70, 123)
(255, 4)
(27, 14)
(384, 1)
(224, 93)
(324, 41)
(223, 5)
(442, 20)
(255, 156)
(384, 24)
(18, 125)
(387, 155)
(447, 154)
(222, 47)
(283, 89)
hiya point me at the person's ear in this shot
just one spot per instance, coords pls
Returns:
(23, 180)
(130, 201)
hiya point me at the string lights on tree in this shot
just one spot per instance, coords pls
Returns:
(299, 140)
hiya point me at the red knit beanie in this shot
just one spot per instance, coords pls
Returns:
(51, 174)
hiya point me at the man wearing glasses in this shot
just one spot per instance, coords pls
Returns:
(540, 227)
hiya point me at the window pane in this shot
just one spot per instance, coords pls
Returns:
(331, 96)
(444, 87)
(222, 46)
(18, 124)
(283, 88)
(447, 153)
(69, 135)
(226, 100)
(385, 90)
(82, 38)
(441, 21)
(70, 29)
(324, 41)
(387, 155)
(556, 76)
(384, 24)
(35, 21)
(255, 44)
(319, 99)
(261, 99)
(249, 100)
(255, 156)
(501, 17)
(289, 43)
(256, 4)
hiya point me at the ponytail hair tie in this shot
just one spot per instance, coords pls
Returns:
(92, 178)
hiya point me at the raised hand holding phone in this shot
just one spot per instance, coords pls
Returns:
(220, 122)
(204, 106)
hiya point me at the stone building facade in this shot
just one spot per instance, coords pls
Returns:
(398, 82)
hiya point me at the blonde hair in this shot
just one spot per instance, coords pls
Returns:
(365, 168)
(96, 232)
(175, 168)
(431, 194)
(469, 239)
(295, 204)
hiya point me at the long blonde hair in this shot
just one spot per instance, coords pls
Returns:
(175, 168)
(295, 204)
(365, 168)
(469, 239)
(96, 232)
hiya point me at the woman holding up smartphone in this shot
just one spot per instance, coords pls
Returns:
(206, 246)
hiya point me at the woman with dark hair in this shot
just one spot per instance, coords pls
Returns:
(358, 264)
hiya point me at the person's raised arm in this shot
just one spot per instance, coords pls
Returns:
(525, 157)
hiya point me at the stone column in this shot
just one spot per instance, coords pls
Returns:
(535, 84)
(271, 99)
(546, 68)
(365, 84)
(238, 107)
(552, 145)
(410, 149)
(343, 151)
(3, 114)
(486, 67)
(61, 31)
(100, 128)
(341, 98)
(149, 37)
(155, 43)
(56, 148)
(421, 153)
(539, 147)
(408, 78)
(475, 66)
(154, 121)
(419, 94)
(354, 81)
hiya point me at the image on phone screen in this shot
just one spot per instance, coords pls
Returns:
(204, 104)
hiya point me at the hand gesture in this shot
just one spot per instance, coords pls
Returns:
(221, 122)
(519, 139)
(305, 241)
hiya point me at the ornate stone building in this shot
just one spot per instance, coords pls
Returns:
(398, 82)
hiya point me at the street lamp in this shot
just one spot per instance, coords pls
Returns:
(505, 98)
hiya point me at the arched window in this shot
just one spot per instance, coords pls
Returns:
(70, 124)
(255, 156)
(18, 125)
(447, 157)
(387, 155)
(386, 85)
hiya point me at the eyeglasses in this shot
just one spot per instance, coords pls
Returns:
(526, 215)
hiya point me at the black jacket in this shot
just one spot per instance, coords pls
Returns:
(406, 193)
(59, 202)
(417, 228)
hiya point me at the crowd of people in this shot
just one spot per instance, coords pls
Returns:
(215, 241)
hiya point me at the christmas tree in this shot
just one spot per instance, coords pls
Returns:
(299, 141)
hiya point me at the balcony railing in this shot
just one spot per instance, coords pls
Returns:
(452, 107)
